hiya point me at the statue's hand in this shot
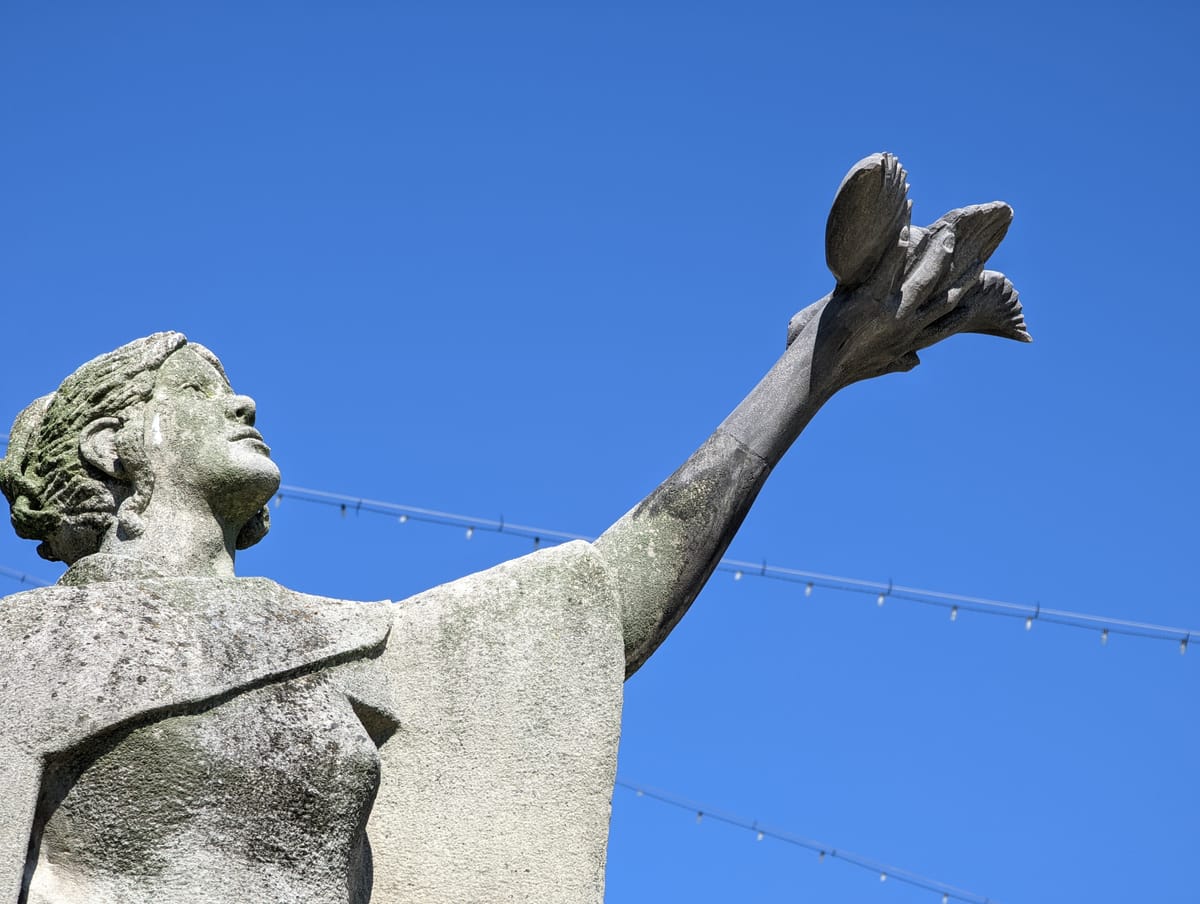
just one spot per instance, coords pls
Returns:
(901, 288)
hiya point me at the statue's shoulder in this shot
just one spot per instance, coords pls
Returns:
(43, 607)
(80, 658)
(567, 574)
(517, 665)
(516, 607)
(146, 601)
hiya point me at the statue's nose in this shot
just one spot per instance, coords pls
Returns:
(242, 408)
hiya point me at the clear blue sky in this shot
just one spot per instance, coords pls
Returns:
(520, 259)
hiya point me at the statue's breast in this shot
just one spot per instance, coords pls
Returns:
(263, 797)
(150, 729)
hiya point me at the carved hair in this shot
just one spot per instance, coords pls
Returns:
(56, 495)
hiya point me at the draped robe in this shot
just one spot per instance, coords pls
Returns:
(501, 692)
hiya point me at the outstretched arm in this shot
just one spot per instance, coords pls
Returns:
(899, 289)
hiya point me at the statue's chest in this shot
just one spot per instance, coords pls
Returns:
(271, 789)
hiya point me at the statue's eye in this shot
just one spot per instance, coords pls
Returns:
(194, 388)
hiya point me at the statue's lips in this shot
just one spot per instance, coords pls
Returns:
(250, 434)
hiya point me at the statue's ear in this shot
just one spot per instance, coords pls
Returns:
(98, 445)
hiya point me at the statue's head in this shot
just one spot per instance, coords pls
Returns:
(155, 416)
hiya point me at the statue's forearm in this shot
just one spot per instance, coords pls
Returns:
(900, 288)
(665, 549)
(770, 418)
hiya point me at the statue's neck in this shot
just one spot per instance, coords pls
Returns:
(175, 542)
(100, 567)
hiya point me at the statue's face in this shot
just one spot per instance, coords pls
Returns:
(201, 444)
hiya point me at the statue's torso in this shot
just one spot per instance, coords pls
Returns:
(266, 796)
(229, 741)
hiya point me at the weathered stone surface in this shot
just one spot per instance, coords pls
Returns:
(231, 726)
(172, 734)
(508, 687)
(108, 768)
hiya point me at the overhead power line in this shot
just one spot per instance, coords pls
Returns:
(406, 513)
(762, 832)
(952, 603)
(23, 578)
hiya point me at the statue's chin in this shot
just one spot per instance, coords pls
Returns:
(248, 489)
(265, 483)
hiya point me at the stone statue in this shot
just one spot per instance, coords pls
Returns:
(170, 733)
